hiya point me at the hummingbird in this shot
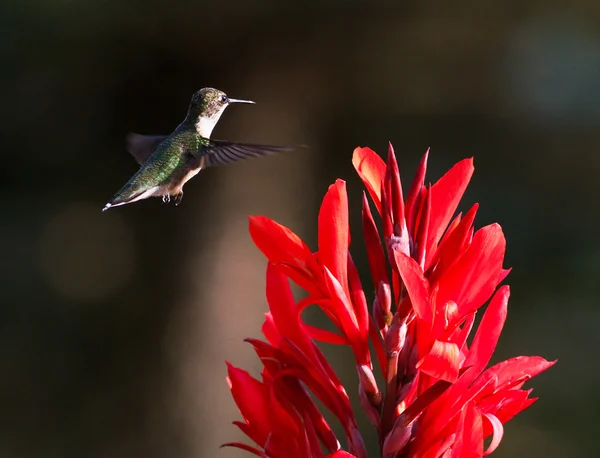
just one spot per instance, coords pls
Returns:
(169, 161)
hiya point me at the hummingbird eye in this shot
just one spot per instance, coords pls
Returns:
(224, 99)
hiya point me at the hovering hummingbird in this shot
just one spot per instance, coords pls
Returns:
(168, 162)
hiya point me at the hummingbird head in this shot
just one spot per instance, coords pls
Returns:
(206, 107)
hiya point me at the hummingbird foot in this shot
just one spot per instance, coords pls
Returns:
(178, 198)
(166, 198)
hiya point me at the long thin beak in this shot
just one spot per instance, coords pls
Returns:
(240, 101)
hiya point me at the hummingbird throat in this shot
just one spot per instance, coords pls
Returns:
(205, 124)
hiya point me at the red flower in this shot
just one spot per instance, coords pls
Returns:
(438, 399)
(280, 416)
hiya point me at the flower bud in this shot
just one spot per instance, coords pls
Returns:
(397, 438)
(384, 297)
(395, 338)
(380, 318)
(371, 411)
(368, 384)
(401, 244)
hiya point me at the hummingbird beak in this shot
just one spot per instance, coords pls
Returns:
(241, 101)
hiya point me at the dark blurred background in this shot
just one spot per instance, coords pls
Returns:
(116, 326)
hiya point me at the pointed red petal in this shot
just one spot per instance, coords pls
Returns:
(416, 284)
(423, 229)
(445, 196)
(395, 192)
(472, 279)
(301, 276)
(315, 422)
(358, 299)
(488, 332)
(246, 448)
(323, 335)
(341, 308)
(516, 368)
(270, 331)
(375, 253)
(277, 242)
(503, 275)
(333, 232)
(371, 169)
(283, 309)
(514, 405)
(251, 396)
(452, 245)
(414, 191)
(386, 213)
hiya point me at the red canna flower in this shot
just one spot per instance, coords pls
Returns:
(439, 400)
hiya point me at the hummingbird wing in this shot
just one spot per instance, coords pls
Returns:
(220, 152)
(142, 146)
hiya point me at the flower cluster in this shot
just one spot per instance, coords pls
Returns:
(431, 275)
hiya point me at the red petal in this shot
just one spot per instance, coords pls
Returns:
(423, 229)
(323, 335)
(283, 309)
(488, 332)
(340, 307)
(442, 362)
(270, 331)
(416, 284)
(339, 304)
(386, 213)
(469, 440)
(423, 401)
(277, 242)
(333, 232)
(341, 454)
(395, 192)
(452, 245)
(286, 424)
(397, 438)
(246, 448)
(371, 169)
(472, 279)
(359, 301)
(303, 278)
(516, 368)
(375, 253)
(313, 418)
(251, 396)
(445, 196)
(434, 424)
(514, 405)
(378, 345)
(481, 350)
(498, 432)
(503, 275)
(414, 191)
(460, 335)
